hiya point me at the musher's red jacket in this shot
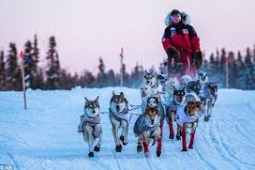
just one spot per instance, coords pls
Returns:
(184, 38)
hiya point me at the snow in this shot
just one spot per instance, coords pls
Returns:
(45, 136)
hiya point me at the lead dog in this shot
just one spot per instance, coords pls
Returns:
(187, 122)
(90, 125)
(119, 118)
(154, 101)
(147, 128)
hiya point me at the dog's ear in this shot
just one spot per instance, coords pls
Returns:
(121, 94)
(174, 88)
(86, 100)
(145, 72)
(97, 98)
(113, 93)
(158, 95)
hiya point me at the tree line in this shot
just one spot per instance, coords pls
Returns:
(53, 76)
(241, 70)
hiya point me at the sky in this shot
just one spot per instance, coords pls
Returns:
(88, 29)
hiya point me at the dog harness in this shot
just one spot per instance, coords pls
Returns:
(182, 117)
(124, 115)
(192, 96)
(141, 126)
(92, 122)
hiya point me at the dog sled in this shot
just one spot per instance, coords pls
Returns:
(178, 70)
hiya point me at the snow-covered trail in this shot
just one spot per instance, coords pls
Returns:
(45, 136)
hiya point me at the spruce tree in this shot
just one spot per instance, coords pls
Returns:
(53, 67)
(2, 71)
(13, 72)
(36, 78)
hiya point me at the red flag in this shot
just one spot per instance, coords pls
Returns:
(21, 54)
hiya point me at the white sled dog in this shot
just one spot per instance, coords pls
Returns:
(146, 91)
(90, 125)
(151, 78)
(119, 118)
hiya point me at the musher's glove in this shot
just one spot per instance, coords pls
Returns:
(172, 52)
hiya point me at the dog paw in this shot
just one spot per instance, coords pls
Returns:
(122, 138)
(178, 137)
(171, 137)
(80, 131)
(158, 153)
(139, 148)
(190, 147)
(147, 154)
(118, 148)
(184, 150)
(91, 154)
(97, 148)
(206, 119)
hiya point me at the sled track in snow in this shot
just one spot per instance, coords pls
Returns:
(250, 107)
(197, 150)
(227, 151)
(116, 160)
(15, 163)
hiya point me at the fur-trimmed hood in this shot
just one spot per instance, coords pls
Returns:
(185, 19)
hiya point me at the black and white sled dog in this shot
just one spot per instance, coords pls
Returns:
(193, 91)
(171, 108)
(208, 94)
(90, 125)
(119, 118)
(209, 98)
